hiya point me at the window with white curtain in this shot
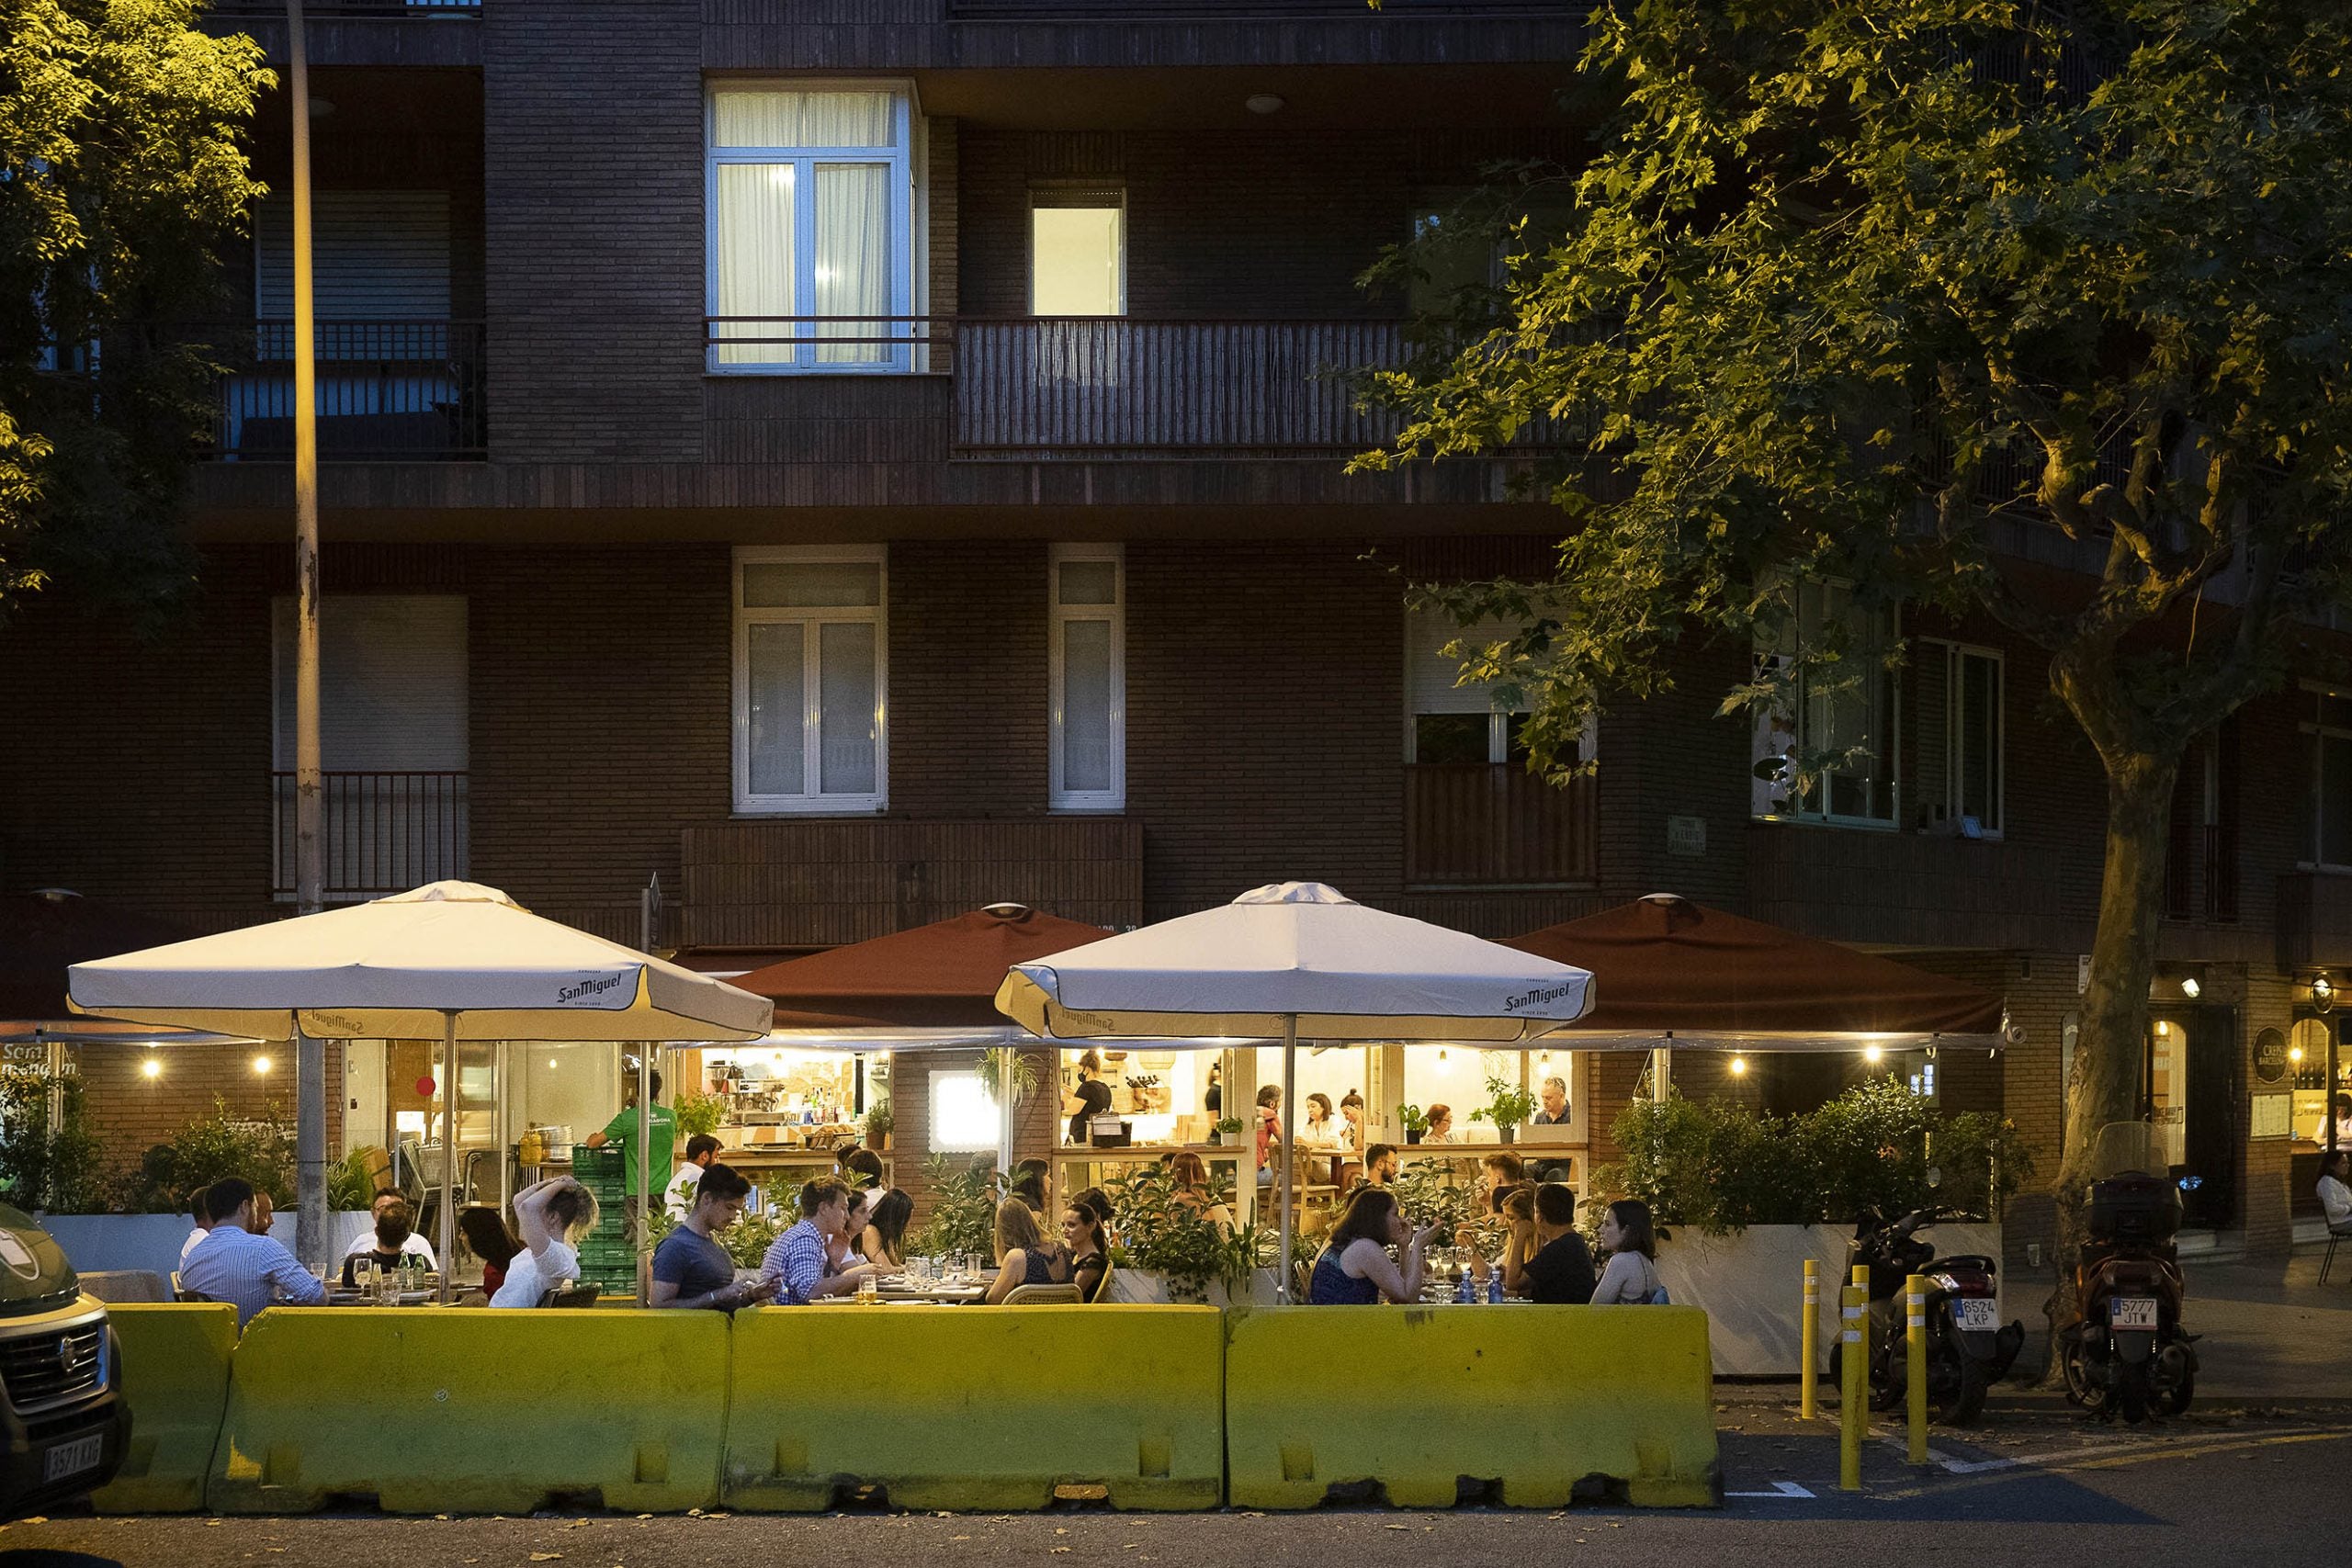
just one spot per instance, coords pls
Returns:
(812, 218)
(1842, 709)
(1088, 661)
(811, 681)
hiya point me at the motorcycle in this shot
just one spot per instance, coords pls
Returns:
(1968, 1348)
(2127, 1353)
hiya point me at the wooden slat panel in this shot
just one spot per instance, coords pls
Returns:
(1484, 824)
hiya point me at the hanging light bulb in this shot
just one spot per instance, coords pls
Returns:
(1440, 1053)
(2163, 1029)
(2295, 1055)
(152, 1068)
(1874, 1055)
(261, 1064)
(1739, 1066)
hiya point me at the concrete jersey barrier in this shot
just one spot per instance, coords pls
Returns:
(175, 1377)
(476, 1411)
(968, 1409)
(1550, 1401)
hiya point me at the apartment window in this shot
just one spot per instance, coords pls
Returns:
(1088, 678)
(811, 683)
(1957, 786)
(1449, 721)
(2327, 722)
(1077, 251)
(811, 202)
(1842, 710)
(393, 740)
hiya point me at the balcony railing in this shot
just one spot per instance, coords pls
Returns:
(379, 833)
(1494, 824)
(388, 391)
(276, 9)
(1099, 384)
(2200, 872)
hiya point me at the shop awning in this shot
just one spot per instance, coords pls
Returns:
(1676, 973)
(940, 976)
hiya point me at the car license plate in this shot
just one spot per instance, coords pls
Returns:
(2133, 1311)
(74, 1458)
(1978, 1313)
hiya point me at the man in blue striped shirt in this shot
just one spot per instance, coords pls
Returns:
(233, 1264)
(795, 1264)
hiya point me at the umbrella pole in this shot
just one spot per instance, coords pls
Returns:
(310, 1150)
(1290, 1130)
(1004, 1070)
(448, 1226)
(645, 1175)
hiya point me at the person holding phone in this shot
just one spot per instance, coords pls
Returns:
(1354, 1269)
(690, 1268)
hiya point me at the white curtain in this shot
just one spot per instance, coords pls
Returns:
(852, 261)
(778, 698)
(1086, 707)
(846, 703)
(764, 117)
(755, 259)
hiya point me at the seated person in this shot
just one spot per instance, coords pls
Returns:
(1099, 1201)
(678, 1198)
(1192, 1189)
(1089, 1252)
(1500, 1171)
(1441, 1127)
(883, 1240)
(1380, 1164)
(203, 1223)
(795, 1264)
(548, 1214)
(1558, 1272)
(1630, 1277)
(690, 1268)
(842, 1250)
(2334, 1193)
(237, 1264)
(1355, 1270)
(414, 1246)
(389, 1238)
(1023, 1256)
(487, 1237)
(860, 1167)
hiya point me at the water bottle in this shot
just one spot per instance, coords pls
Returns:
(1495, 1287)
(1466, 1292)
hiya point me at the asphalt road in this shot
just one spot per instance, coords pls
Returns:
(2035, 1487)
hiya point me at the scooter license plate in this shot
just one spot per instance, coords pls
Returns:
(1978, 1314)
(2133, 1311)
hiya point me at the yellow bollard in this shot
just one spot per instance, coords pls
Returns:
(1853, 1394)
(1811, 1336)
(1915, 1357)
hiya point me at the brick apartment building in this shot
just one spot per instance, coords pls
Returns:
(1037, 577)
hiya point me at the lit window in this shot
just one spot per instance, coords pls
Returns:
(1078, 251)
(811, 692)
(1840, 709)
(964, 1117)
(1088, 678)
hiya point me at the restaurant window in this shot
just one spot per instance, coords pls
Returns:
(1449, 721)
(1077, 251)
(1841, 710)
(811, 683)
(811, 194)
(2327, 725)
(1957, 786)
(1088, 673)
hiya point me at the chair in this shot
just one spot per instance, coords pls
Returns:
(121, 1285)
(582, 1293)
(1042, 1295)
(2334, 1237)
(1302, 1276)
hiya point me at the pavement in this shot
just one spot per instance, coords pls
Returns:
(2254, 1471)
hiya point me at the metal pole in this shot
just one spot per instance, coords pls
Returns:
(1004, 1071)
(1661, 1075)
(645, 1175)
(1290, 1129)
(1915, 1357)
(310, 868)
(448, 1226)
(1810, 1335)
(1854, 1379)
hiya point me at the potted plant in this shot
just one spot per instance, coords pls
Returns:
(1411, 1118)
(878, 1122)
(1226, 1129)
(1508, 1107)
(1169, 1236)
(699, 1113)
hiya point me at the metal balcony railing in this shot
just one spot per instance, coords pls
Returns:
(1495, 824)
(274, 10)
(2200, 872)
(380, 832)
(388, 391)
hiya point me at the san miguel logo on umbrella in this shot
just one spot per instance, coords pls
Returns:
(587, 991)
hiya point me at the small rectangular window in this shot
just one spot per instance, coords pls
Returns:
(1959, 777)
(964, 1117)
(1840, 709)
(1088, 678)
(812, 692)
(1078, 251)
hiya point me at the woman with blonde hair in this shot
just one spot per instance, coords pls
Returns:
(1023, 1256)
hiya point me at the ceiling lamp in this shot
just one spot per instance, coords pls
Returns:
(1263, 103)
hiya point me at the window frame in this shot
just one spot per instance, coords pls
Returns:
(1029, 237)
(942, 1078)
(1892, 702)
(2314, 725)
(816, 804)
(905, 225)
(1497, 719)
(1059, 615)
(1956, 654)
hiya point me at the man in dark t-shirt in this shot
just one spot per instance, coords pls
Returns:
(1560, 1273)
(691, 1269)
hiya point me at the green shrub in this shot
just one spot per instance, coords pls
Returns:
(54, 1166)
(259, 1149)
(698, 1114)
(963, 1209)
(351, 1183)
(1160, 1232)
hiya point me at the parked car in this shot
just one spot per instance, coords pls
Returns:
(67, 1424)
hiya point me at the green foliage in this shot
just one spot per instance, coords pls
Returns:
(1507, 1105)
(963, 1209)
(1720, 1166)
(1433, 1190)
(698, 1114)
(878, 1122)
(1163, 1230)
(997, 1060)
(122, 132)
(261, 1150)
(351, 1183)
(47, 1165)
(1412, 1119)
(1227, 1127)
(749, 1238)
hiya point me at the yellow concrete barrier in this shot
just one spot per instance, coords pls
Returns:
(1537, 1398)
(473, 1411)
(175, 1377)
(977, 1408)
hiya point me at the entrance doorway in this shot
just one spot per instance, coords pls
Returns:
(2187, 1088)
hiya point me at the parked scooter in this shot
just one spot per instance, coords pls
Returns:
(1968, 1350)
(2128, 1354)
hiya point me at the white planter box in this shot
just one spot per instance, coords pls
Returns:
(1752, 1285)
(1138, 1287)
(94, 1243)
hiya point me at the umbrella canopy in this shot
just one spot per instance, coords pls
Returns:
(451, 958)
(940, 976)
(1682, 973)
(43, 933)
(1296, 958)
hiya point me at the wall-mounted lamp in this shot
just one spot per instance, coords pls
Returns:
(2322, 993)
(261, 1064)
(2164, 1030)
(1739, 1066)
(2190, 987)
(2295, 1055)
(1263, 103)
(1874, 1055)
(153, 1067)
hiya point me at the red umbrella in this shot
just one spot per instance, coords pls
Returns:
(1668, 971)
(942, 976)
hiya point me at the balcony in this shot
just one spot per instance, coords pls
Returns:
(388, 391)
(2201, 873)
(1496, 825)
(380, 832)
(274, 10)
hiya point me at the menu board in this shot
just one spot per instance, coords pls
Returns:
(2272, 1116)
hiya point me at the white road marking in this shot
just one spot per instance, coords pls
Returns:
(1780, 1489)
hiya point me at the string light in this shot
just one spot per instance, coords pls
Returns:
(1739, 1066)
(261, 1064)
(152, 1068)
(1874, 1055)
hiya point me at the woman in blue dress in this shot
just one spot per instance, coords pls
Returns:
(1355, 1270)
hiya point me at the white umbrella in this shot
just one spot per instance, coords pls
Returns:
(453, 959)
(1292, 960)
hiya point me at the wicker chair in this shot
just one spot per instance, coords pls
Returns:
(1041, 1295)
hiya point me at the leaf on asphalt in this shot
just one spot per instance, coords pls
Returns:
(1061, 1549)
(546, 1556)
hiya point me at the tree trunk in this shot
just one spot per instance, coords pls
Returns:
(2104, 1086)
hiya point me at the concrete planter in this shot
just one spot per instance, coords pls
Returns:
(1145, 1289)
(94, 1242)
(1752, 1285)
